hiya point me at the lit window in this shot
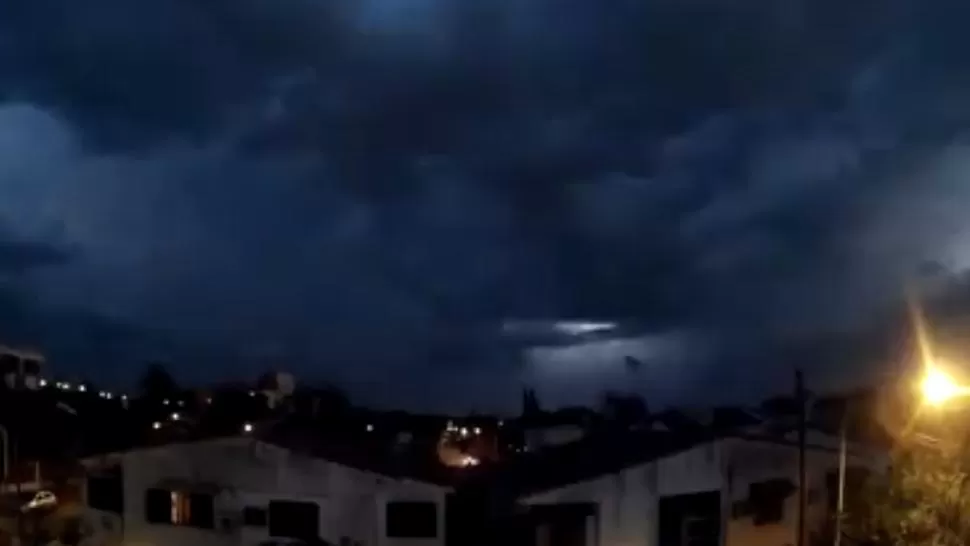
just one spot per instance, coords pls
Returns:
(180, 508)
(163, 506)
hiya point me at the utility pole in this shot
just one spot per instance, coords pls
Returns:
(840, 506)
(800, 399)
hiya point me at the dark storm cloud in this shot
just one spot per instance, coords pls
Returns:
(19, 257)
(372, 185)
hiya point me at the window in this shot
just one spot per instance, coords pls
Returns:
(411, 520)
(767, 500)
(254, 516)
(293, 519)
(31, 366)
(202, 513)
(158, 506)
(179, 508)
(9, 364)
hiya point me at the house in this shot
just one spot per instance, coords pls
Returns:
(21, 368)
(666, 490)
(256, 489)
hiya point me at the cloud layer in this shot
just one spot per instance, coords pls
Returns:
(364, 190)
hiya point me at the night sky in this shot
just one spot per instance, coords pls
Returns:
(363, 191)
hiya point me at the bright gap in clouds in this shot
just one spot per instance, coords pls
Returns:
(656, 366)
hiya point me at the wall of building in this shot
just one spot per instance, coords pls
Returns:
(759, 461)
(250, 473)
(628, 500)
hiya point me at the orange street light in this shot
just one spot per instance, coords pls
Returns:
(938, 387)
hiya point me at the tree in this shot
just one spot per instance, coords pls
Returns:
(923, 500)
(157, 383)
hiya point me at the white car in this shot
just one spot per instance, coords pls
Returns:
(42, 499)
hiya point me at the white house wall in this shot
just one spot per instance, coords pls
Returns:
(759, 461)
(352, 502)
(628, 500)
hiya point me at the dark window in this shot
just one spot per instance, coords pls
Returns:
(254, 516)
(291, 519)
(106, 494)
(202, 512)
(767, 500)
(158, 506)
(9, 364)
(412, 520)
(31, 366)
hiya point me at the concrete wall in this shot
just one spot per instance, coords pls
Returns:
(251, 473)
(628, 500)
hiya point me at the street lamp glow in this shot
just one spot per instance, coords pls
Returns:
(938, 387)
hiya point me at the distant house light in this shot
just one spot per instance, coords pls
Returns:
(464, 431)
(370, 428)
(156, 425)
(43, 382)
(176, 416)
(108, 395)
(165, 402)
(247, 427)
(82, 388)
(478, 430)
